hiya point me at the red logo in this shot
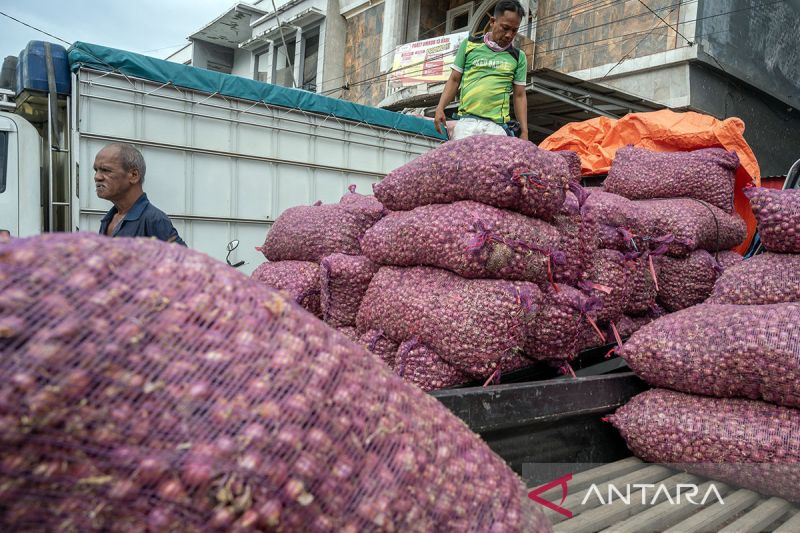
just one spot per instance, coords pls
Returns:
(562, 481)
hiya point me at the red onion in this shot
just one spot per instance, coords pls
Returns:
(195, 398)
(707, 174)
(504, 172)
(778, 216)
(748, 443)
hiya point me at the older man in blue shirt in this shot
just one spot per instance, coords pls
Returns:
(119, 170)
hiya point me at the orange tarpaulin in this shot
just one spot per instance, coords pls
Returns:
(597, 140)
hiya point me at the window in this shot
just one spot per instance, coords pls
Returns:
(262, 65)
(458, 18)
(3, 160)
(310, 53)
(284, 63)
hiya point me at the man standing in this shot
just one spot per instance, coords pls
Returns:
(119, 170)
(486, 68)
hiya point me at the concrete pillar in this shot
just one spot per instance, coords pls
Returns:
(412, 27)
(332, 46)
(395, 15)
(271, 61)
(298, 57)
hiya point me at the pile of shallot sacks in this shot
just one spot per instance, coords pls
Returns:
(675, 211)
(484, 255)
(727, 371)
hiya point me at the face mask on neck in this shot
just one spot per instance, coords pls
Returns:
(487, 40)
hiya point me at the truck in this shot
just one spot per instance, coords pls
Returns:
(225, 155)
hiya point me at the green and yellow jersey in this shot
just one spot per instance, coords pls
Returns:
(487, 79)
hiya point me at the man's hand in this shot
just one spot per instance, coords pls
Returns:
(448, 93)
(440, 120)
(523, 134)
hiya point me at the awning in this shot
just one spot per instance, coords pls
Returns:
(554, 99)
(231, 28)
(275, 13)
(286, 27)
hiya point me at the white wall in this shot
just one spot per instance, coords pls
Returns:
(181, 56)
(243, 63)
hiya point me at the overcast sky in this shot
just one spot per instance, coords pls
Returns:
(153, 27)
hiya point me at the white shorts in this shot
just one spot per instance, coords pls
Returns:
(466, 127)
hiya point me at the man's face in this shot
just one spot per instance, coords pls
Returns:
(111, 180)
(505, 27)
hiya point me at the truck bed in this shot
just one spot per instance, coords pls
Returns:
(537, 415)
(545, 427)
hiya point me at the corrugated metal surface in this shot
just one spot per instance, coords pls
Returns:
(225, 169)
(742, 511)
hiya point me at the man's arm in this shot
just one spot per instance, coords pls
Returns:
(520, 99)
(163, 230)
(451, 87)
(521, 110)
(448, 94)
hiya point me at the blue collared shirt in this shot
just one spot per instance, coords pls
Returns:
(143, 220)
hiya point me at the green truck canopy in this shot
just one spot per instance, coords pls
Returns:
(160, 71)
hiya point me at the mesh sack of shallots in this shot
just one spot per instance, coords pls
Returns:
(609, 282)
(418, 364)
(628, 325)
(572, 206)
(379, 344)
(556, 327)
(473, 324)
(471, 239)
(350, 332)
(309, 233)
(763, 279)
(778, 215)
(195, 399)
(614, 238)
(343, 280)
(607, 208)
(684, 282)
(722, 350)
(749, 443)
(504, 172)
(707, 174)
(573, 163)
(576, 248)
(298, 279)
(690, 224)
(365, 204)
(613, 216)
(643, 277)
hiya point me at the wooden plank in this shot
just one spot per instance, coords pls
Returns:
(712, 517)
(612, 513)
(790, 526)
(600, 474)
(575, 503)
(665, 515)
(761, 516)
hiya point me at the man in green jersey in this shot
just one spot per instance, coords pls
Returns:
(485, 69)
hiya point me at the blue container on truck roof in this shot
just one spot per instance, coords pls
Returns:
(32, 68)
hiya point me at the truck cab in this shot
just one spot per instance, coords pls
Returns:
(20, 177)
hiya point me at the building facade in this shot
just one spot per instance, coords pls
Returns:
(722, 57)
(284, 45)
